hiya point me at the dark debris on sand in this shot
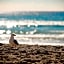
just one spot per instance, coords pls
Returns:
(31, 54)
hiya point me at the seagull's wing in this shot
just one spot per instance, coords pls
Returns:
(15, 41)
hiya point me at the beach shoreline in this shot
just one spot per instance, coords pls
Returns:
(31, 54)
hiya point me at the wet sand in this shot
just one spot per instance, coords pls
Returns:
(31, 54)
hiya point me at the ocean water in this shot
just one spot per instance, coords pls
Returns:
(43, 28)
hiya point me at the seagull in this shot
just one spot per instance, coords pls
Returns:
(12, 41)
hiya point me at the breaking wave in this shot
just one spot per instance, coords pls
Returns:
(35, 39)
(31, 22)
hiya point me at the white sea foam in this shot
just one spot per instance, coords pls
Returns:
(30, 22)
(35, 39)
(35, 36)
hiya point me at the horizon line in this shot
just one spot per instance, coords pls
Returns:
(33, 11)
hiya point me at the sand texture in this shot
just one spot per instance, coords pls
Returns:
(31, 54)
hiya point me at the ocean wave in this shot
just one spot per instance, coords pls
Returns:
(35, 36)
(35, 39)
(34, 15)
(30, 22)
(32, 27)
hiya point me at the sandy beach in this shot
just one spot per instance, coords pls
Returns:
(31, 54)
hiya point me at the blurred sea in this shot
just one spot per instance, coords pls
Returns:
(33, 27)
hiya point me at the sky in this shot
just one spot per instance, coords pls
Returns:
(31, 5)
